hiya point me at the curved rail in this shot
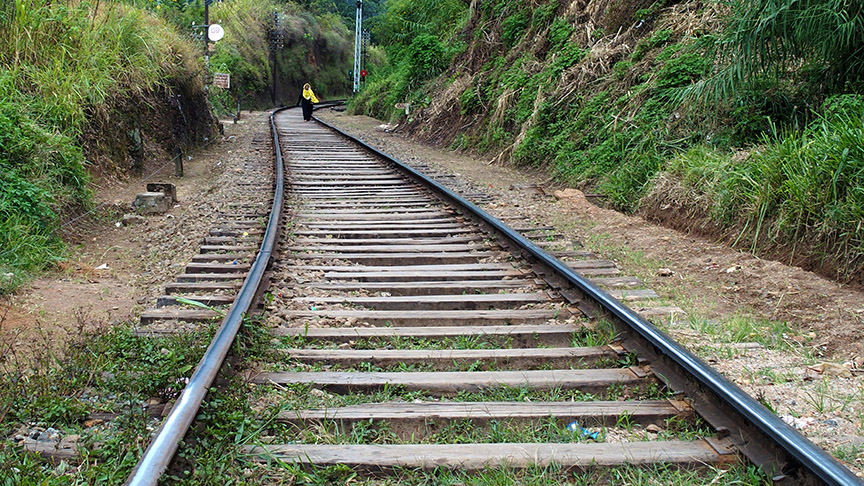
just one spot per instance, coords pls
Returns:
(164, 444)
(799, 448)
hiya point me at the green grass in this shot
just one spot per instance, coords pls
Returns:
(61, 63)
(802, 190)
(613, 129)
(99, 371)
(502, 476)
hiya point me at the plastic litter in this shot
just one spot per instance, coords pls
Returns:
(575, 427)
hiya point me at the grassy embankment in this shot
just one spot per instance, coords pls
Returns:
(70, 71)
(755, 132)
(60, 65)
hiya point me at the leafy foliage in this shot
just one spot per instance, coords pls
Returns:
(59, 62)
(513, 27)
(822, 40)
(802, 186)
(420, 40)
(425, 57)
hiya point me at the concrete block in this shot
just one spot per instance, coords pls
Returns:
(170, 190)
(151, 203)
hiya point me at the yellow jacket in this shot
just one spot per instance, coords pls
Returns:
(309, 95)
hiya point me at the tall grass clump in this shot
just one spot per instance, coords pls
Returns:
(60, 62)
(799, 189)
(817, 42)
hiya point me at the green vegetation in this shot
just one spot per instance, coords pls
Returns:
(754, 110)
(816, 41)
(804, 186)
(100, 371)
(420, 42)
(72, 71)
(535, 476)
(59, 64)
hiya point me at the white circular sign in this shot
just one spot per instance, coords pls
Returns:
(215, 32)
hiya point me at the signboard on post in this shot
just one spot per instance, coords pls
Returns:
(222, 80)
(215, 32)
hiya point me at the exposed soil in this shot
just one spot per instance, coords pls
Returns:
(140, 258)
(813, 375)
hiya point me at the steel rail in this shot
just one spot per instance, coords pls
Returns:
(167, 439)
(798, 447)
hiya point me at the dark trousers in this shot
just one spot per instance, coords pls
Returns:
(307, 108)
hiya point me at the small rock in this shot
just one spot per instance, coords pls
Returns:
(315, 392)
(344, 346)
(50, 435)
(130, 219)
(653, 429)
(830, 422)
(799, 423)
(665, 272)
(570, 193)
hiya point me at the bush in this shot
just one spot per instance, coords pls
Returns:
(818, 41)
(560, 32)
(513, 27)
(799, 187)
(425, 57)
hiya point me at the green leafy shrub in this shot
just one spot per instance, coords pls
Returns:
(803, 187)
(425, 57)
(559, 33)
(822, 38)
(682, 70)
(59, 62)
(543, 14)
(469, 101)
(513, 27)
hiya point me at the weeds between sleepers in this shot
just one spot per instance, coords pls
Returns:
(549, 475)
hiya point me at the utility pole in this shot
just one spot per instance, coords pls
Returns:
(277, 42)
(207, 43)
(365, 57)
(358, 45)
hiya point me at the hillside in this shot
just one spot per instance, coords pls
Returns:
(88, 91)
(316, 47)
(681, 111)
(112, 89)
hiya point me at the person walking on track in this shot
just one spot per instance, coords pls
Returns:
(307, 99)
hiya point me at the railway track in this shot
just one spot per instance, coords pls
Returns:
(415, 331)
